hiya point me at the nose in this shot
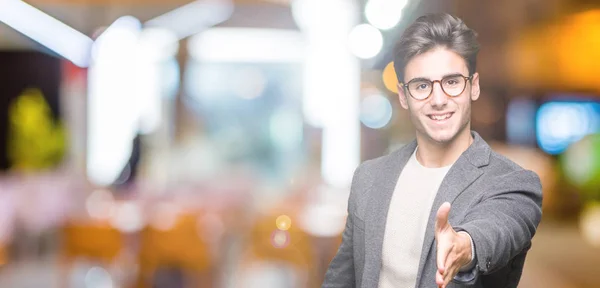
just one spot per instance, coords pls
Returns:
(438, 96)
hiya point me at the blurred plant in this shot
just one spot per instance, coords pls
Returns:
(35, 141)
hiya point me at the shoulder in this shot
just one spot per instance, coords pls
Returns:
(504, 174)
(368, 169)
(364, 174)
(369, 172)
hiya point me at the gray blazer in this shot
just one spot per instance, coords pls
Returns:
(493, 199)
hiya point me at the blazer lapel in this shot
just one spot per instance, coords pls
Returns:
(377, 209)
(462, 174)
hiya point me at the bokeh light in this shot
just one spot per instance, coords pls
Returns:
(581, 163)
(283, 222)
(561, 123)
(331, 15)
(280, 239)
(165, 216)
(98, 277)
(365, 41)
(384, 14)
(127, 217)
(390, 80)
(375, 111)
(100, 204)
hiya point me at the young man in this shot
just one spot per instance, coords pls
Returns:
(445, 210)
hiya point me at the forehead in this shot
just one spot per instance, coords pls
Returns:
(435, 64)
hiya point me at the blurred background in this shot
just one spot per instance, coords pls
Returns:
(212, 143)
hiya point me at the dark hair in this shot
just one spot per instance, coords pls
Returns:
(436, 30)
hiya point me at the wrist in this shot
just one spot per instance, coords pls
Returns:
(465, 245)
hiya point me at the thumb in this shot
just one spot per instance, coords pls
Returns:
(441, 222)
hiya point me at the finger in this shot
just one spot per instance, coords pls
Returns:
(442, 217)
(449, 259)
(442, 255)
(441, 258)
(439, 279)
(450, 273)
(447, 277)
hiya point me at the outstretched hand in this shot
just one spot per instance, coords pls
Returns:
(453, 249)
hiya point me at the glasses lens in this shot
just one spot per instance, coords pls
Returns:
(454, 85)
(420, 89)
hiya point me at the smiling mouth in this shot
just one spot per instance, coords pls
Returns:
(440, 117)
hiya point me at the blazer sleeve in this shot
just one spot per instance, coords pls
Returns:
(503, 224)
(341, 269)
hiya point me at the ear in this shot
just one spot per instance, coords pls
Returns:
(475, 88)
(402, 97)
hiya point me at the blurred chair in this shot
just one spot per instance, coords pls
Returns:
(179, 247)
(95, 241)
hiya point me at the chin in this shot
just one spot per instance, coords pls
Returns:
(442, 137)
(442, 140)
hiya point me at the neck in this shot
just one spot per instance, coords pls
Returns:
(434, 154)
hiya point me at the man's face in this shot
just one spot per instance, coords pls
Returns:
(439, 118)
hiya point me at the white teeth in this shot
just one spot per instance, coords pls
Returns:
(440, 117)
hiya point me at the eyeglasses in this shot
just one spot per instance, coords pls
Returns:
(452, 85)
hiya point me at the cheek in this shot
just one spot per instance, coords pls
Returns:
(463, 103)
(415, 106)
(465, 110)
(416, 110)
(412, 110)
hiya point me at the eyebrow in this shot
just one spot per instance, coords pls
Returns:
(428, 79)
